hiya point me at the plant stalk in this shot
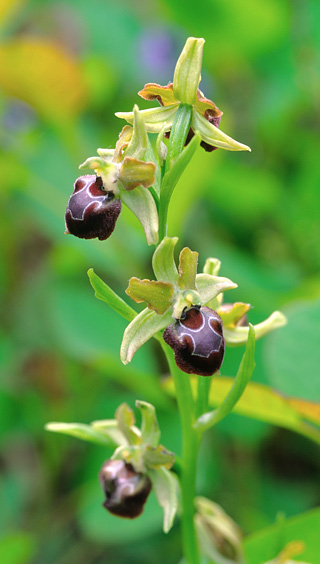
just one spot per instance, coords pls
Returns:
(190, 447)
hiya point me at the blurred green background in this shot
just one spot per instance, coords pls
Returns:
(65, 68)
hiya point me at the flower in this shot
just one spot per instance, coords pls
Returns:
(126, 174)
(91, 211)
(197, 341)
(205, 116)
(176, 291)
(125, 489)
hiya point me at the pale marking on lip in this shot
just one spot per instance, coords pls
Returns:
(93, 199)
(186, 334)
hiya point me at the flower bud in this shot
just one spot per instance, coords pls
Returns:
(91, 210)
(126, 490)
(197, 341)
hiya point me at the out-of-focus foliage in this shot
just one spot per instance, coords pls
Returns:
(65, 68)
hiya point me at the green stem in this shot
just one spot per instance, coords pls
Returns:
(204, 383)
(179, 131)
(190, 447)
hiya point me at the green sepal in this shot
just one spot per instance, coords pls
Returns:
(232, 315)
(213, 135)
(239, 335)
(166, 486)
(110, 428)
(139, 139)
(126, 420)
(210, 286)
(140, 330)
(154, 457)
(163, 262)
(103, 292)
(188, 262)
(188, 71)
(81, 431)
(157, 295)
(143, 206)
(134, 172)
(242, 378)
(150, 432)
(212, 266)
(154, 118)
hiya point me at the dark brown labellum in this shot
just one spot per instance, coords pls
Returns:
(125, 489)
(197, 341)
(91, 211)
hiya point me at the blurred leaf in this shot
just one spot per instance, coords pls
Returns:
(106, 294)
(244, 374)
(7, 7)
(17, 548)
(43, 75)
(267, 543)
(292, 356)
(258, 402)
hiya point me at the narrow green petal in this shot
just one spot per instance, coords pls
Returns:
(213, 135)
(150, 432)
(154, 118)
(210, 286)
(139, 140)
(188, 71)
(140, 330)
(163, 262)
(239, 335)
(158, 295)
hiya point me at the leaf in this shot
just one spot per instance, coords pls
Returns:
(143, 206)
(150, 432)
(211, 286)
(17, 547)
(292, 355)
(172, 176)
(244, 374)
(140, 330)
(163, 262)
(259, 402)
(188, 262)
(265, 544)
(157, 295)
(126, 420)
(80, 431)
(165, 485)
(43, 75)
(103, 292)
